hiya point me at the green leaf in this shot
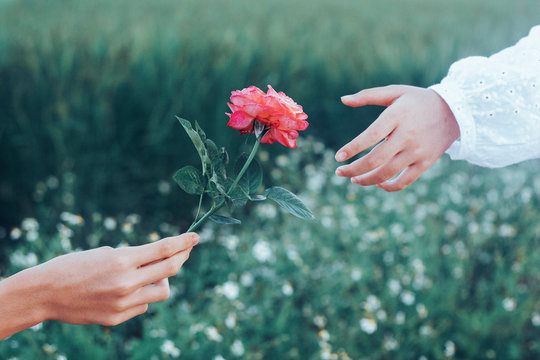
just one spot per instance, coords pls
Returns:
(289, 202)
(252, 179)
(190, 180)
(224, 220)
(217, 160)
(257, 197)
(198, 142)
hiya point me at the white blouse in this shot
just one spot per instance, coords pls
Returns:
(496, 102)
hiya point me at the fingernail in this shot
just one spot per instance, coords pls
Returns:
(339, 172)
(345, 97)
(341, 155)
(195, 238)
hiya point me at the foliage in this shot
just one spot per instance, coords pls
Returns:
(445, 269)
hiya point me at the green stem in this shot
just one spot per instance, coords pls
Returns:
(246, 165)
(216, 207)
(198, 210)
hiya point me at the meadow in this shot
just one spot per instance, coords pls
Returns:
(88, 140)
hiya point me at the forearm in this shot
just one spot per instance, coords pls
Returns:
(21, 302)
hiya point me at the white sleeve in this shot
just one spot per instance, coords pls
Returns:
(496, 102)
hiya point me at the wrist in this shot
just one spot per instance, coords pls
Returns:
(22, 304)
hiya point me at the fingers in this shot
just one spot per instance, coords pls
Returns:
(406, 178)
(384, 172)
(162, 269)
(162, 249)
(377, 131)
(383, 96)
(378, 156)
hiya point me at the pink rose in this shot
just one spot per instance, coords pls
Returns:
(276, 110)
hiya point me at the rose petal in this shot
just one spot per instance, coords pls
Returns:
(239, 120)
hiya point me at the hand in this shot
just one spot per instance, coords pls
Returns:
(101, 286)
(415, 129)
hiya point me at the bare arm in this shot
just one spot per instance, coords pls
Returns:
(101, 286)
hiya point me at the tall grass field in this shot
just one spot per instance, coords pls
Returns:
(446, 269)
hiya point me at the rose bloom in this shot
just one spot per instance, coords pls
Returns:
(276, 110)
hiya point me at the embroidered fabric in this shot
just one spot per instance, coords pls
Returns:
(496, 102)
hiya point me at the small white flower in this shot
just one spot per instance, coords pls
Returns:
(164, 187)
(400, 318)
(109, 223)
(15, 233)
(535, 319)
(49, 349)
(422, 310)
(231, 242)
(219, 357)
(372, 303)
(381, 315)
(153, 237)
(213, 334)
(30, 224)
(356, 274)
(237, 348)
(319, 321)
(127, 228)
(390, 343)
(368, 326)
(407, 297)
(394, 286)
(262, 251)
(509, 304)
(426, 330)
(324, 335)
(61, 357)
(37, 327)
(287, 289)
(246, 279)
(169, 348)
(449, 348)
(231, 320)
(231, 290)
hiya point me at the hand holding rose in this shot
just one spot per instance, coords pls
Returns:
(101, 286)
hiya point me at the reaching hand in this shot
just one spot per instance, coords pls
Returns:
(413, 131)
(101, 286)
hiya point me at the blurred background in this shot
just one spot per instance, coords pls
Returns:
(88, 140)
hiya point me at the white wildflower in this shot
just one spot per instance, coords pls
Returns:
(319, 321)
(231, 320)
(400, 318)
(246, 279)
(15, 233)
(407, 297)
(230, 290)
(368, 326)
(535, 319)
(287, 289)
(213, 334)
(30, 224)
(169, 348)
(509, 304)
(372, 303)
(262, 251)
(356, 274)
(449, 348)
(164, 187)
(109, 223)
(237, 348)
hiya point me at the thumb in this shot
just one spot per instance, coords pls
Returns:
(382, 96)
